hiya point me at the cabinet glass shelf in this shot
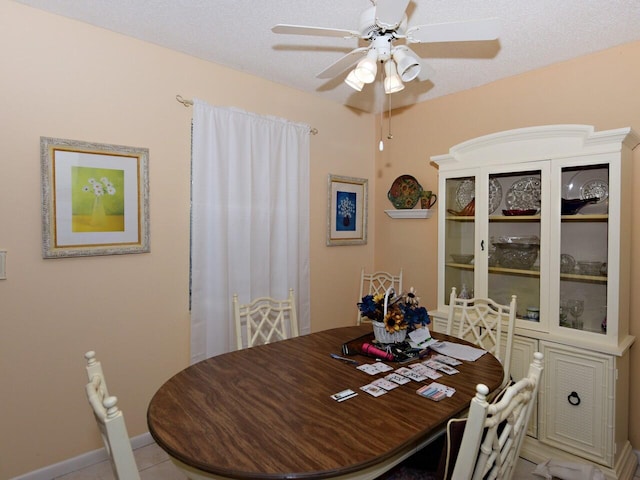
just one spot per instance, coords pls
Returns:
(584, 278)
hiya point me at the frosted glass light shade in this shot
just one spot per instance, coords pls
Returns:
(367, 68)
(353, 81)
(392, 81)
(408, 65)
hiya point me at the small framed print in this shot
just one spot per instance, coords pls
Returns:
(347, 211)
(95, 198)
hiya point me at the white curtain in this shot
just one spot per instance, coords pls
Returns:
(250, 219)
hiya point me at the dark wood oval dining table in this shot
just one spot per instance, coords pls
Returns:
(266, 412)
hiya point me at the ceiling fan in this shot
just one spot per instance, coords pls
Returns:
(384, 27)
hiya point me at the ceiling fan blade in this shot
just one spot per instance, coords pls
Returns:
(472, 30)
(317, 31)
(343, 63)
(390, 13)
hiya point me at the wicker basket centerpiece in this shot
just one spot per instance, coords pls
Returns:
(393, 316)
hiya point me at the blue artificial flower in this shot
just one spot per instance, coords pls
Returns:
(415, 316)
(369, 308)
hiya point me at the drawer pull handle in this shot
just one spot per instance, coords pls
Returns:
(573, 398)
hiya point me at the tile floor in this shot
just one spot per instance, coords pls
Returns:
(154, 464)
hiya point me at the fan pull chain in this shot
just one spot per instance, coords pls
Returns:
(381, 144)
(389, 135)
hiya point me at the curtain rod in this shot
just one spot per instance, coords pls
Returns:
(188, 103)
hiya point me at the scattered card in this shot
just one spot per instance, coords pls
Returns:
(344, 395)
(425, 371)
(448, 370)
(447, 360)
(397, 378)
(384, 383)
(412, 374)
(382, 367)
(373, 390)
(369, 368)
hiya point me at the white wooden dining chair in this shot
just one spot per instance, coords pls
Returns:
(486, 324)
(377, 283)
(494, 432)
(110, 420)
(264, 320)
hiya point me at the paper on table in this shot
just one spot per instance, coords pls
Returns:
(455, 350)
(420, 338)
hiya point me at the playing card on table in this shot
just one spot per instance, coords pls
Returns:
(448, 360)
(382, 367)
(448, 370)
(374, 390)
(369, 368)
(412, 374)
(384, 383)
(425, 371)
(397, 378)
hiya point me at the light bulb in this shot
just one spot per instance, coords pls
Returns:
(353, 81)
(392, 82)
(367, 68)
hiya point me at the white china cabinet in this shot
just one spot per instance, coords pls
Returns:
(544, 213)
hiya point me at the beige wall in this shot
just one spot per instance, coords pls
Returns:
(600, 89)
(65, 79)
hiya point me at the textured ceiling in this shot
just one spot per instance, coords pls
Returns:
(237, 33)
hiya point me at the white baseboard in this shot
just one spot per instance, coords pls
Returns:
(81, 461)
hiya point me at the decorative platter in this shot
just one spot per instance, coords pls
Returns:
(466, 192)
(590, 183)
(524, 194)
(405, 192)
(595, 189)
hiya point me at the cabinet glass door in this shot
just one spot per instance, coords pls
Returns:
(584, 230)
(516, 241)
(459, 236)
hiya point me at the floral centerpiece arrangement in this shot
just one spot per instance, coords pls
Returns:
(393, 316)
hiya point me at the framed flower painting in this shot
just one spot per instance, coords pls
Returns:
(347, 211)
(95, 198)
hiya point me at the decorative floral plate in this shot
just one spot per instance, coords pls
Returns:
(405, 192)
(588, 183)
(524, 194)
(466, 192)
(595, 189)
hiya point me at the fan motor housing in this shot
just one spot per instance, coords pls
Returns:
(369, 26)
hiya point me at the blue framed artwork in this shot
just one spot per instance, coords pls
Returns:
(347, 211)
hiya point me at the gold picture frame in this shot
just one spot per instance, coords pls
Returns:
(95, 198)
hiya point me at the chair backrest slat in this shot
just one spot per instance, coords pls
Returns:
(485, 323)
(377, 283)
(494, 432)
(264, 320)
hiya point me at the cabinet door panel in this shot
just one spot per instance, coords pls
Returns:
(575, 406)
